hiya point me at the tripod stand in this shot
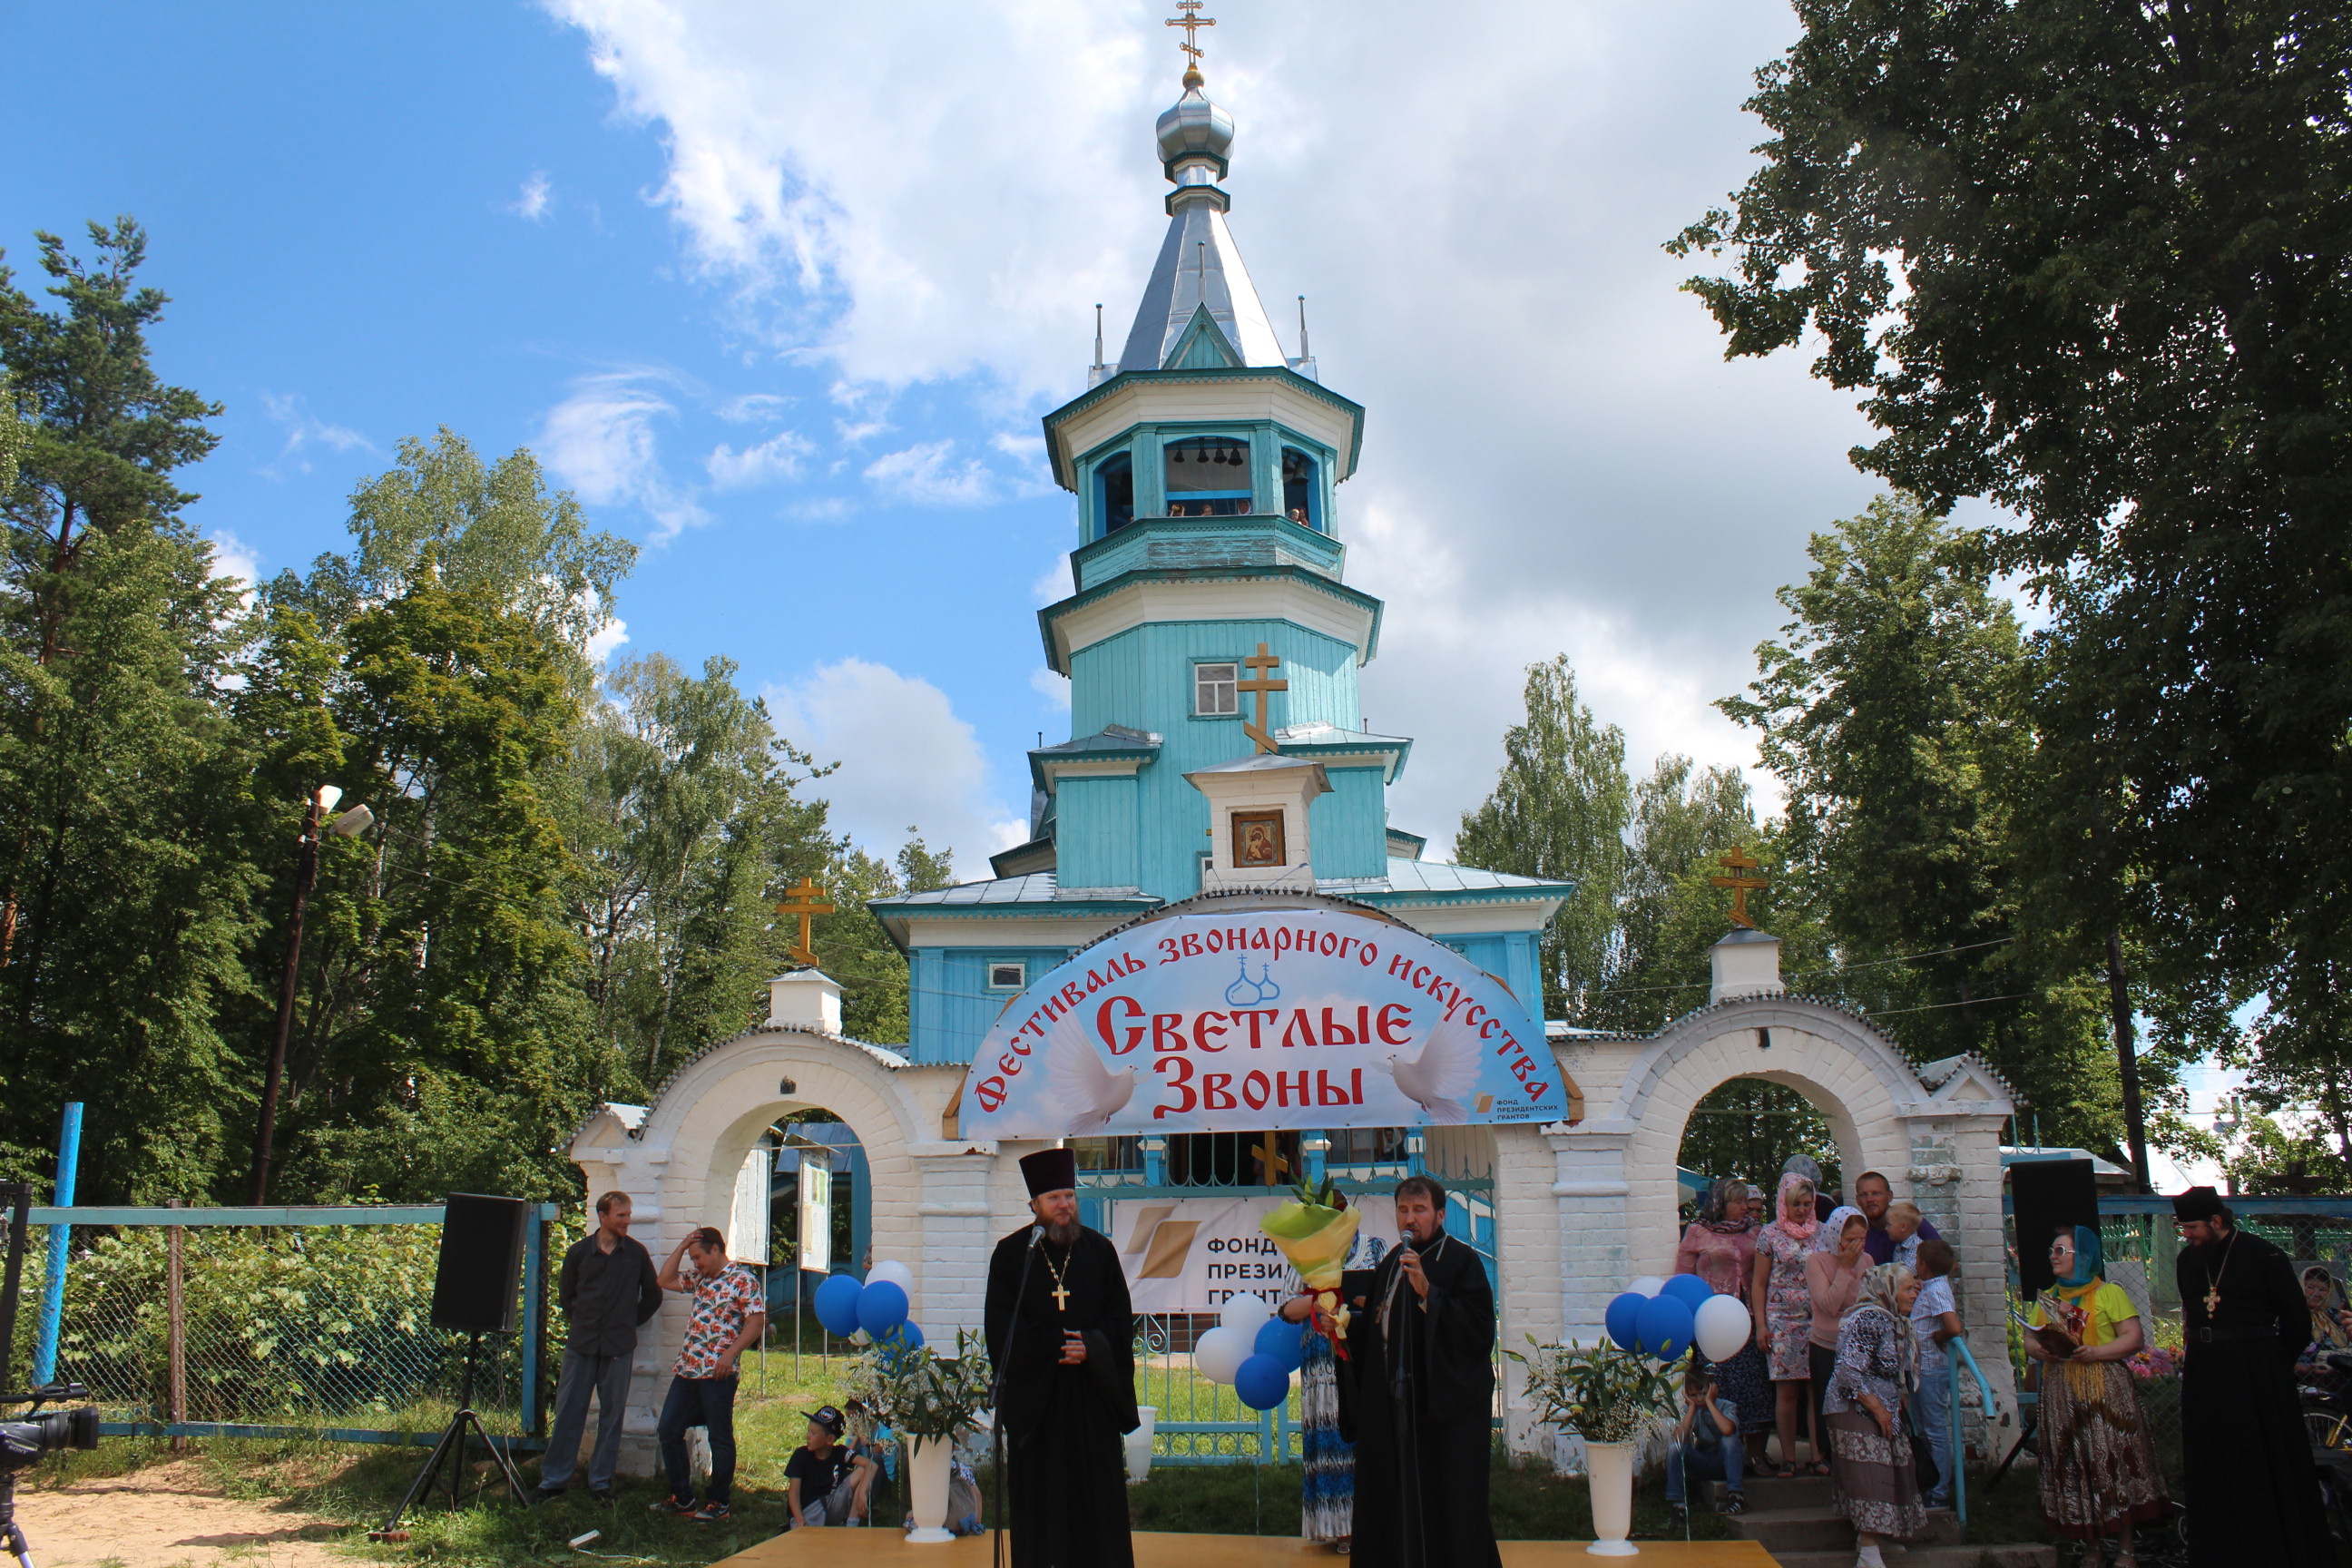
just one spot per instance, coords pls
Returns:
(453, 1440)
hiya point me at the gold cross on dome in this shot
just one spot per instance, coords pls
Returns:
(1270, 1162)
(1261, 666)
(1740, 882)
(802, 902)
(1191, 21)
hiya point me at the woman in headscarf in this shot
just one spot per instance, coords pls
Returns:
(1720, 1248)
(2331, 1330)
(1834, 1272)
(1805, 1165)
(1783, 1309)
(2099, 1472)
(1871, 1479)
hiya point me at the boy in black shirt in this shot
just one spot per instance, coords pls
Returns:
(829, 1484)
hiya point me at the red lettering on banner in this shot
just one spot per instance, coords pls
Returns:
(1216, 940)
(1237, 937)
(1169, 953)
(1217, 1092)
(1054, 1007)
(1281, 940)
(1329, 943)
(1487, 1030)
(1008, 1066)
(1258, 1017)
(1402, 964)
(1019, 1047)
(1336, 1034)
(1305, 941)
(1537, 1091)
(1356, 1081)
(1420, 977)
(1192, 940)
(1165, 1028)
(1470, 1019)
(1103, 1025)
(1300, 1030)
(991, 1093)
(1071, 995)
(1182, 1084)
(1522, 1066)
(1329, 1093)
(1369, 956)
(1202, 1034)
(1401, 1023)
(1257, 1091)
(1259, 942)
(1282, 1088)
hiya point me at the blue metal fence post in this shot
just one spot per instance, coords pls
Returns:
(53, 1290)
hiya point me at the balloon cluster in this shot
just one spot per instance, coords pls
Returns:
(1251, 1349)
(877, 1308)
(1663, 1317)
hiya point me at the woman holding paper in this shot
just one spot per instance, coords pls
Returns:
(2099, 1471)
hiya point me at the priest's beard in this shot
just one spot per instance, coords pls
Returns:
(1062, 1235)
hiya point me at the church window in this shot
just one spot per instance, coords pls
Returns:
(1002, 976)
(1115, 492)
(1369, 1146)
(1214, 694)
(1209, 476)
(1302, 497)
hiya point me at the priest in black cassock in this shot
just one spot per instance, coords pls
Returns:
(1417, 1395)
(1067, 1367)
(2253, 1496)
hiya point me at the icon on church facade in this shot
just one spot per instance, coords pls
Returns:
(1258, 838)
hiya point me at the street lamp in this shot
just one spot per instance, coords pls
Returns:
(351, 822)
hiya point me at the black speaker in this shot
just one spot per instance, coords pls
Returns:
(2044, 1194)
(479, 1274)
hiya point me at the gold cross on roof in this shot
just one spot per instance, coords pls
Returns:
(1269, 1159)
(1191, 21)
(802, 902)
(1742, 863)
(1261, 664)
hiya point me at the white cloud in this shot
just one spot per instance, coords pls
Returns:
(776, 458)
(752, 407)
(600, 441)
(1054, 584)
(233, 558)
(858, 433)
(906, 759)
(602, 642)
(924, 476)
(305, 434)
(1054, 688)
(536, 197)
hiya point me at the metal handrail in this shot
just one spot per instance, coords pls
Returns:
(1952, 1414)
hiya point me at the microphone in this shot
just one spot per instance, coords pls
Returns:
(1037, 1235)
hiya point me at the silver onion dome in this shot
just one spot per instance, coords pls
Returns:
(1193, 127)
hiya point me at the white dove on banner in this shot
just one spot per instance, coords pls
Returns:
(1090, 1092)
(1436, 1079)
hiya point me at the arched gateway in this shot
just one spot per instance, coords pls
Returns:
(1219, 754)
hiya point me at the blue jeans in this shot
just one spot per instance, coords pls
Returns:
(1726, 1462)
(708, 1403)
(1932, 1413)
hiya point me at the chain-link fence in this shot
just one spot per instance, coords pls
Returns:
(315, 1321)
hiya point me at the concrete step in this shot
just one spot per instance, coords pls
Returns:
(1800, 1491)
(2024, 1555)
(1825, 1528)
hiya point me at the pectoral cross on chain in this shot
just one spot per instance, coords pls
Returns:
(2212, 1300)
(1261, 685)
(1061, 1294)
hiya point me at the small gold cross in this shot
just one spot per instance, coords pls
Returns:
(1740, 862)
(2212, 1300)
(1260, 684)
(1061, 1295)
(801, 902)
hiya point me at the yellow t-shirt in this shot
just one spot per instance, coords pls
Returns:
(2094, 1319)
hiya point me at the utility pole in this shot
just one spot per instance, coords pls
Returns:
(306, 876)
(2127, 1059)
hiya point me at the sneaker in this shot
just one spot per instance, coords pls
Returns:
(672, 1506)
(544, 1494)
(711, 1512)
(1677, 1511)
(1732, 1503)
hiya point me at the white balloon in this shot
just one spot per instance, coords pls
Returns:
(898, 1273)
(1647, 1285)
(1245, 1312)
(1724, 1327)
(1219, 1353)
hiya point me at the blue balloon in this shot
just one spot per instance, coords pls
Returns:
(1285, 1342)
(1664, 1327)
(1261, 1382)
(1621, 1319)
(837, 1304)
(881, 1307)
(1689, 1289)
(907, 1336)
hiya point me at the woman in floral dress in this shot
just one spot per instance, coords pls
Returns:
(2099, 1470)
(1783, 1308)
(1872, 1479)
(1720, 1248)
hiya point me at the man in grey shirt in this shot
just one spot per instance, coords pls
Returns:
(608, 1287)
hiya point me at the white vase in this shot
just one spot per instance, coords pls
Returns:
(1138, 1443)
(926, 1486)
(1609, 1471)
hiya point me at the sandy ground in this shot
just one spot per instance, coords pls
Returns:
(165, 1516)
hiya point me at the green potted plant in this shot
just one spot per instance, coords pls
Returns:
(1609, 1397)
(928, 1398)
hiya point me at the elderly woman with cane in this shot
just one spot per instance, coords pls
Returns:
(2099, 1470)
(1872, 1478)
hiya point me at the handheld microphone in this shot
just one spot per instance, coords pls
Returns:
(1037, 1235)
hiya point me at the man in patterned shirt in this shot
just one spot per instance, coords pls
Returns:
(728, 1314)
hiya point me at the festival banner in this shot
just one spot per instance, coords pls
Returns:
(1194, 1254)
(1265, 1018)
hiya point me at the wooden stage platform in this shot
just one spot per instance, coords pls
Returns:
(888, 1548)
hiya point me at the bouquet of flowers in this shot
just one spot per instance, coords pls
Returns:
(2157, 1361)
(1315, 1230)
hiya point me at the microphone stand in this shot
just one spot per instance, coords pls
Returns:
(996, 1389)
